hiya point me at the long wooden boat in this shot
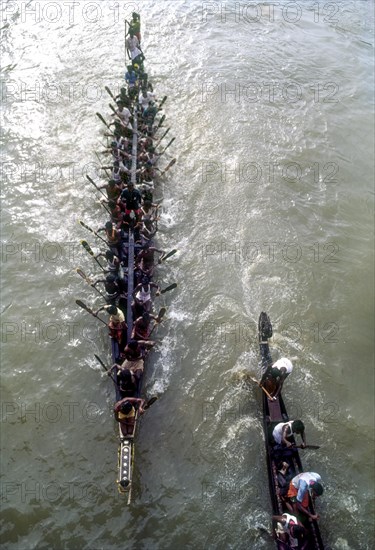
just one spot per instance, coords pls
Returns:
(274, 411)
(132, 245)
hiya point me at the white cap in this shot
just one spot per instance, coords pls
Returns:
(285, 363)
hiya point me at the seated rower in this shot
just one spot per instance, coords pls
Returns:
(112, 236)
(132, 199)
(134, 359)
(133, 47)
(146, 258)
(131, 77)
(125, 411)
(111, 286)
(144, 99)
(300, 487)
(141, 326)
(275, 376)
(290, 531)
(113, 261)
(283, 479)
(126, 382)
(283, 432)
(149, 211)
(124, 115)
(117, 325)
(142, 294)
(147, 231)
(113, 190)
(115, 211)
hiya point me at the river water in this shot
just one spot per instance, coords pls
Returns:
(271, 207)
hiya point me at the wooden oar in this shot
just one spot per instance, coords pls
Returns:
(109, 92)
(159, 319)
(89, 310)
(162, 137)
(88, 281)
(173, 161)
(162, 102)
(168, 288)
(102, 119)
(107, 370)
(92, 231)
(166, 256)
(150, 402)
(306, 447)
(170, 143)
(94, 184)
(160, 123)
(264, 389)
(88, 249)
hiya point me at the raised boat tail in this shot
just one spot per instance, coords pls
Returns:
(264, 333)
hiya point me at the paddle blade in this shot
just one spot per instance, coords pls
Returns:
(173, 161)
(171, 253)
(150, 402)
(83, 305)
(161, 314)
(102, 119)
(85, 226)
(87, 247)
(83, 275)
(170, 287)
(109, 92)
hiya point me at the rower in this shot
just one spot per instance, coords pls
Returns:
(131, 79)
(290, 531)
(127, 383)
(124, 115)
(148, 231)
(113, 190)
(117, 325)
(300, 487)
(135, 25)
(125, 411)
(144, 99)
(115, 211)
(132, 199)
(146, 259)
(149, 114)
(284, 431)
(111, 286)
(142, 294)
(113, 262)
(283, 478)
(134, 359)
(133, 48)
(141, 326)
(149, 210)
(275, 376)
